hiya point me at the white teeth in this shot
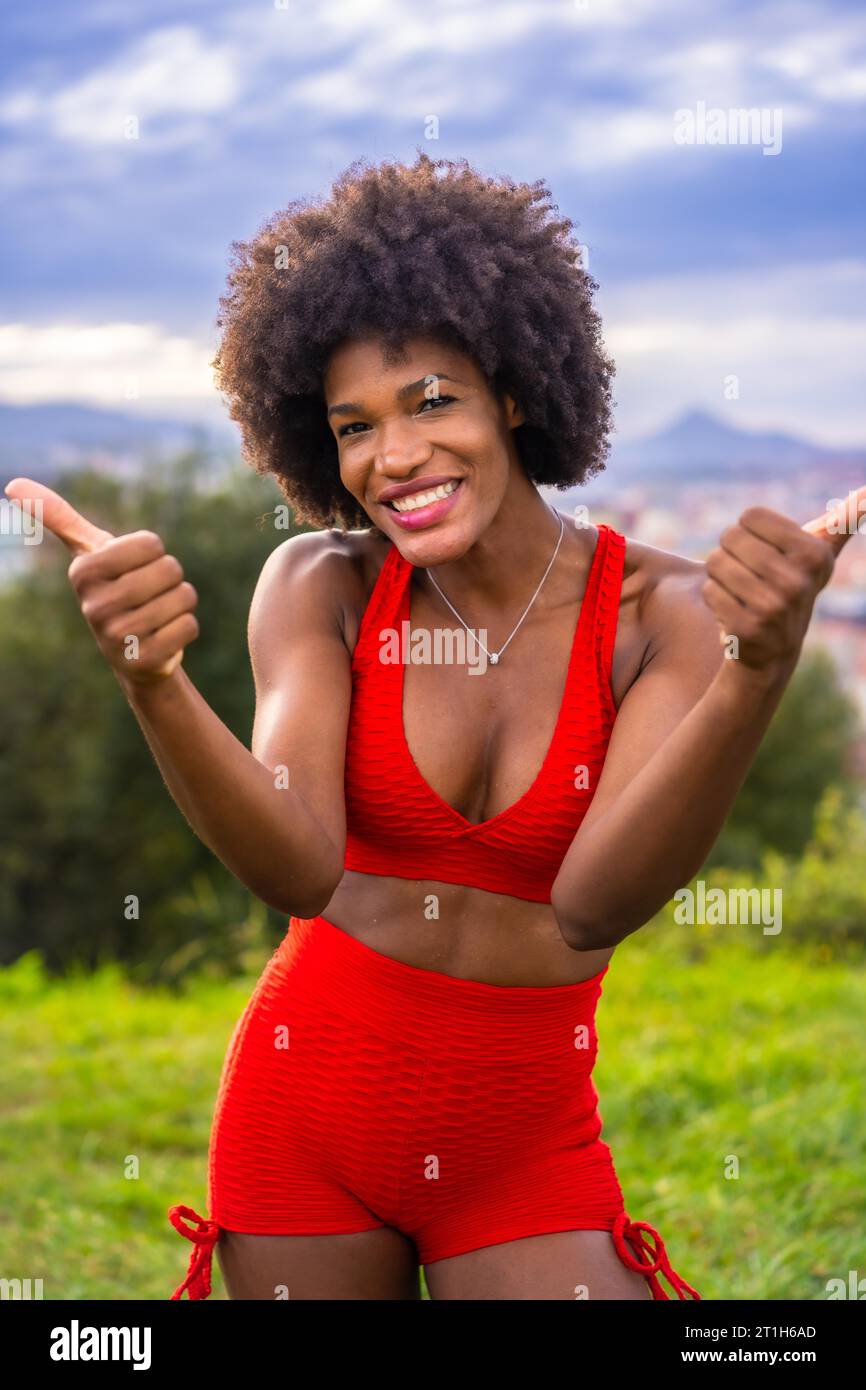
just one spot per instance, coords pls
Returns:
(423, 499)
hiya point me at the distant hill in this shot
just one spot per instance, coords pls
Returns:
(699, 445)
(40, 441)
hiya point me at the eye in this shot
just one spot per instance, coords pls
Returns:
(429, 400)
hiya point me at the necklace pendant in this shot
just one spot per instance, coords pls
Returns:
(494, 656)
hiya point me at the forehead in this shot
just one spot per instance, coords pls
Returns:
(359, 363)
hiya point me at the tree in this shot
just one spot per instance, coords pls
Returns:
(807, 748)
(87, 825)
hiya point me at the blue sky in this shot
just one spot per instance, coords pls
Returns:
(715, 261)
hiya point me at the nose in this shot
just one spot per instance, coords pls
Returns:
(400, 448)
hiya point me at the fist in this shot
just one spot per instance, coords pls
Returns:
(132, 594)
(764, 576)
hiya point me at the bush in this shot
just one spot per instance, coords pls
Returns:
(85, 817)
(823, 890)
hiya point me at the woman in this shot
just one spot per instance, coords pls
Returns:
(411, 1081)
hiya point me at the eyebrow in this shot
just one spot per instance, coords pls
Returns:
(352, 408)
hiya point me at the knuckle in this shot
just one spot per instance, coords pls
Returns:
(729, 534)
(77, 571)
(779, 605)
(190, 592)
(796, 585)
(114, 630)
(820, 559)
(151, 541)
(173, 568)
(771, 603)
(94, 610)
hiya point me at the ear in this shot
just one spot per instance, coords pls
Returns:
(514, 416)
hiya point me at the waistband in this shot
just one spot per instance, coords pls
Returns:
(392, 986)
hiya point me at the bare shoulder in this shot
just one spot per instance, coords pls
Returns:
(660, 577)
(329, 574)
(664, 591)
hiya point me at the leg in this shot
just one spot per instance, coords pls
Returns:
(562, 1265)
(380, 1264)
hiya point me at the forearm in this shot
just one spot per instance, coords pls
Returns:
(620, 870)
(264, 834)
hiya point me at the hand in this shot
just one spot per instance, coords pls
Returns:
(765, 575)
(134, 596)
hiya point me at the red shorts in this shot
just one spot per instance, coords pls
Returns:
(359, 1092)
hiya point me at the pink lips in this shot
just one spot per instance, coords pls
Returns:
(426, 516)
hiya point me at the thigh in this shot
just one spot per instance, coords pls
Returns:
(379, 1264)
(563, 1265)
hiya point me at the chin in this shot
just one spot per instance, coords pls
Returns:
(436, 547)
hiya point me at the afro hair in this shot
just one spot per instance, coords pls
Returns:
(433, 249)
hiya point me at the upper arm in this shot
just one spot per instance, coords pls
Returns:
(302, 672)
(683, 654)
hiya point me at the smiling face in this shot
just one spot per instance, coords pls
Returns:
(425, 446)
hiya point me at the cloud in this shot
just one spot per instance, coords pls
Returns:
(617, 69)
(168, 74)
(794, 338)
(266, 102)
(115, 365)
(829, 63)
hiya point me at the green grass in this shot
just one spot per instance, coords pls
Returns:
(731, 1052)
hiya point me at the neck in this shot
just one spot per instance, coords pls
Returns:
(503, 565)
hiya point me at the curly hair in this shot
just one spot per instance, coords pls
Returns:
(433, 249)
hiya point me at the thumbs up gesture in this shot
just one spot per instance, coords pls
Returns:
(765, 574)
(132, 594)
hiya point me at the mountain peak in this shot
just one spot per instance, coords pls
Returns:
(698, 442)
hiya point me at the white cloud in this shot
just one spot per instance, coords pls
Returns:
(115, 365)
(829, 63)
(168, 73)
(794, 337)
(327, 63)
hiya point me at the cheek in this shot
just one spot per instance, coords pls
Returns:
(482, 437)
(352, 473)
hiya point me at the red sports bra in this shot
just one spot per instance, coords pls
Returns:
(397, 826)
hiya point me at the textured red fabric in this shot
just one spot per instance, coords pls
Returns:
(358, 1092)
(396, 825)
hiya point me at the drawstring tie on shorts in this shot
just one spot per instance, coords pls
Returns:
(198, 1277)
(627, 1230)
(205, 1237)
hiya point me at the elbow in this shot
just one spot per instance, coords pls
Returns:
(583, 933)
(304, 899)
(300, 907)
(311, 893)
(312, 903)
(301, 904)
(588, 936)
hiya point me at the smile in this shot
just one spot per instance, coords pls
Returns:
(426, 508)
(423, 499)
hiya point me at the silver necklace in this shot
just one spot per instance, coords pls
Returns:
(493, 657)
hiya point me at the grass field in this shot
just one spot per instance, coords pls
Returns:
(755, 1054)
